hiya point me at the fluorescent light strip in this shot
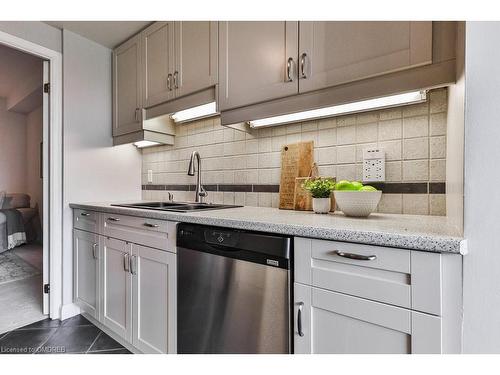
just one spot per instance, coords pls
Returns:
(142, 144)
(364, 105)
(195, 112)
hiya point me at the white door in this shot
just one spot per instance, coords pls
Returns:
(117, 287)
(196, 49)
(333, 53)
(154, 300)
(158, 63)
(86, 268)
(257, 62)
(335, 323)
(45, 182)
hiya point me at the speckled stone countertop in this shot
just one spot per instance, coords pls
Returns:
(427, 233)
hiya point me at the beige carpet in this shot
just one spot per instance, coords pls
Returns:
(21, 301)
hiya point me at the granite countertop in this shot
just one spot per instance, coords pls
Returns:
(427, 233)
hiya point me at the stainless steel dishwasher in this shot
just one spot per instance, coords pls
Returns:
(233, 291)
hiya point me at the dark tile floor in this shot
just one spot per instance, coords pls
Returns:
(74, 335)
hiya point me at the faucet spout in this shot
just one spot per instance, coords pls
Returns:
(200, 192)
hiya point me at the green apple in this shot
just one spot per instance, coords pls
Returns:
(356, 185)
(344, 185)
(367, 188)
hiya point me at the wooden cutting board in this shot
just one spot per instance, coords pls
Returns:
(296, 161)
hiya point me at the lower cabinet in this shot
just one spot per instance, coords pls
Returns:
(336, 323)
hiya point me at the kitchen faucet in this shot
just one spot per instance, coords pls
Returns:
(200, 192)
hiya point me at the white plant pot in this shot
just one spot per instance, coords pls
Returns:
(321, 205)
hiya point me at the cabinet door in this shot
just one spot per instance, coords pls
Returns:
(127, 87)
(86, 265)
(196, 49)
(158, 63)
(154, 296)
(336, 323)
(117, 287)
(253, 61)
(333, 53)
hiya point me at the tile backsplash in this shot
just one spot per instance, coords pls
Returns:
(244, 168)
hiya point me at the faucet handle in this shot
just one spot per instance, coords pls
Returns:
(203, 193)
(170, 196)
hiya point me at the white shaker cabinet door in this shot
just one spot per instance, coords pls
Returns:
(127, 87)
(154, 296)
(117, 287)
(334, 323)
(86, 265)
(257, 62)
(334, 53)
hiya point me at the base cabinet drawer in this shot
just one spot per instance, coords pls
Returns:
(86, 220)
(333, 323)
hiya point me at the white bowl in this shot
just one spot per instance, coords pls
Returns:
(357, 203)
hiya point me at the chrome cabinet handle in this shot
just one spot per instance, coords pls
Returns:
(149, 225)
(176, 79)
(299, 319)
(94, 250)
(84, 214)
(354, 256)
(303, 65)
(289, 69)
(113, 219)
(169, 82)
(126, 262)
(133, 265)
(136, 114)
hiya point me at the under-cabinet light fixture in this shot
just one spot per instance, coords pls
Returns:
(142, 144)
(194, 113)
(363, 105)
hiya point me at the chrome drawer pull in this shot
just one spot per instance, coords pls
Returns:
(133, 265)
(126, 262)
(303, 58)
(84, 214)
(289, 68)
(94, 248)
(299, 319)
(149, 225)
(354, 256)
(113, 219)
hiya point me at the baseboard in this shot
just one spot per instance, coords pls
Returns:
(69, 310)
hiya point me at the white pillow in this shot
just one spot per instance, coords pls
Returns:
(2, 198)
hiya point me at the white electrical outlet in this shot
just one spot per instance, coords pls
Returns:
(150, 176)
(373, 165)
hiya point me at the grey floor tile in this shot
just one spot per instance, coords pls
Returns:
(42, 324)
(24, 342)
(104, 342)
(77, 320)
(112, 351)
(71, 339)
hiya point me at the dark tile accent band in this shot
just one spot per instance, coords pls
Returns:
(386, 187)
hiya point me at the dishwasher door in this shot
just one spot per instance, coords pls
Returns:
(228, 305)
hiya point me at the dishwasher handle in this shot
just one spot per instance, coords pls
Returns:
(299, 319)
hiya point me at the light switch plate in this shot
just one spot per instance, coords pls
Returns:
(373, 165)
(150, 176)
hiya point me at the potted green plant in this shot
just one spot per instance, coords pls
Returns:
(321, 190)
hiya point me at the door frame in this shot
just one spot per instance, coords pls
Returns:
(52, 154)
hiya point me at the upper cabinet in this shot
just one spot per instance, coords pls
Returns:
(158, 63)
(195, 56)
(257, 62)
(334, 53)
(127, 87)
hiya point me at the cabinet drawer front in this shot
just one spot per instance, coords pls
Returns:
(148, 232)
(86, 220)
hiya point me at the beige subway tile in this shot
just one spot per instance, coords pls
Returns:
(367, 133)
(215, 197)
(346, 172)
(228, 177)
(327, 137)
(278, 142)
(309, 126)
(346, 120)
(359, 172)
(393, 171)
(228, 197)
(252, 133)
(438, 101)
(309, 136)
(437, 204)
(391, 204)
(416, 204)
(327, 155)
(219, 136)
(265, 132)
(346, 135)
(327, 170)
(390, 114)
(275, 175)
(265, 176)
(392, 149)
(360, 148)
(416, 127)
(239, 135)
(228, 135)
(293, 128)
(264, 144)
(416, 170)
(327, 123)
(275, 200)
(367, 117)
(252, 199)
(416, 148)
(390, 129)
(279, 130)
(416, 109)
(293, 138)
(437, 147)
(252, 176)
(265, 200)
(438, 170)
(239, 198)
(438, 124)
(251, 146)
(346, 154)
(252, 161)
(269, 160)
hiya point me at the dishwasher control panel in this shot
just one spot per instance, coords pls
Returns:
(223, 238)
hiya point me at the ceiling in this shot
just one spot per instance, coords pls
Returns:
(107, 33)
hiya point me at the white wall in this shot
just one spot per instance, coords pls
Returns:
(34, 136)
(34, 31)
(12, 150)
(93, 169)
(482, 180)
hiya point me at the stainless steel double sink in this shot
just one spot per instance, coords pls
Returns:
(176, 206)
